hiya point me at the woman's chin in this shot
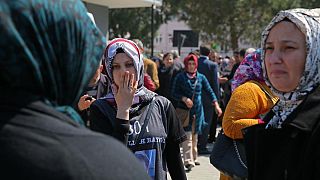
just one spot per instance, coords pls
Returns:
(283, 88)
(283, 85)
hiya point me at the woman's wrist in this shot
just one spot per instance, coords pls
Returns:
(184, 99)
(123, 114)
(216, 104)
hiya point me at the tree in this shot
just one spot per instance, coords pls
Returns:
(228, 21)
(135, 21)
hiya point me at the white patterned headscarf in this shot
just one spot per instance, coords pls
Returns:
(131, 49)
(308, 21)
(142, 94)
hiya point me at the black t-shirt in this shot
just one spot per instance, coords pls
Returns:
(37, 142)
(161, 138)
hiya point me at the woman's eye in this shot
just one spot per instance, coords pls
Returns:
(268, 48)
(115, 66)
(290, 47)
(129, 65)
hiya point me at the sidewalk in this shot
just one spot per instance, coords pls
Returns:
(205, 171)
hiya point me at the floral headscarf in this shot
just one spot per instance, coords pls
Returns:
(249, 69)
(132, 50)
(308, 21)
(49, 50)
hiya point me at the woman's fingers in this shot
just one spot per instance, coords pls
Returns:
(134, 86)
(114, 88)
(126, 79)
(131, 80)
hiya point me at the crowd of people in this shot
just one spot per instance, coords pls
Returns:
(74, 106)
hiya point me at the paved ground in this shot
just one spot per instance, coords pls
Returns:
(205, 171)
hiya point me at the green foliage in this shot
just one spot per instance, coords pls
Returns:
(136, 21)
(228, 21)
(223, 22)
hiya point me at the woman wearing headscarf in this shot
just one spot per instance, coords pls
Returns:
(141, 119)
(250, 100)
(166, 72)
(49, 52)
(186, 90)
(287, 146)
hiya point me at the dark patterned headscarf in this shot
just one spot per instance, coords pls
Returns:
(308, 21)
(48, 49)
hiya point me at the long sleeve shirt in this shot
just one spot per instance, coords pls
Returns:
(247, 103)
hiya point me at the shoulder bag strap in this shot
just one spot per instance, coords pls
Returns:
(263, 89)
(146, 120)
(194, 91)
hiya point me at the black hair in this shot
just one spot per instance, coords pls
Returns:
(242, 52)
(167, 54)
(120, 50)
(286, 19)
(204, 50)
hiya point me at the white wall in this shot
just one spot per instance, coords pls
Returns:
(101, 16)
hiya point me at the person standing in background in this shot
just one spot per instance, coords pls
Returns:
(210, 70)
(250, 100)
(187, 91)
(150, 67)
(167, 72)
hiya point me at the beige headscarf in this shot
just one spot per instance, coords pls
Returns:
(308, 21)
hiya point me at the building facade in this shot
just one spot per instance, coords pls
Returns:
(100, 9)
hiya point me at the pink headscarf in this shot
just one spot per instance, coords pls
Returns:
(186, 60)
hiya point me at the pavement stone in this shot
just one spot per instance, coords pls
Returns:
(205, 171)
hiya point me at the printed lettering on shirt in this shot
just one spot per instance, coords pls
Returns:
(136, 128)
(148, 140)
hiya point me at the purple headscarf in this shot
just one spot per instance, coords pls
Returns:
(249, 69)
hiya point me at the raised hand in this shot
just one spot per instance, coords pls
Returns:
(83, 103)
(124, 94)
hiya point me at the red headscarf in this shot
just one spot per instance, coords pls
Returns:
(186, 60)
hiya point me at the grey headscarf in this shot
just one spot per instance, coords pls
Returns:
(308, 21)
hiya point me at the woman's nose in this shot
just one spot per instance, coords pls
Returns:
(274, 57)
(124, 68)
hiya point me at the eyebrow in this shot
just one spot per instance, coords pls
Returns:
(283, 41)
(129, 61)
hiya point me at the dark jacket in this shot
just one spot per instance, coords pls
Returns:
(210, 70)
(98, 91)
(166, 77)
(38, 142)
(292, 152)
(163, 124)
